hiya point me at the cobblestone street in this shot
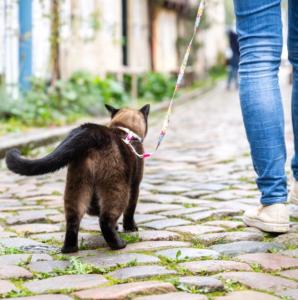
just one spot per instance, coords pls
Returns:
(191, 242)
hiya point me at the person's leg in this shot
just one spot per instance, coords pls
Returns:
(230, 75)
(235, 71)
(293, 57)
(259, 30)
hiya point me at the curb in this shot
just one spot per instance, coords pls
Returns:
(40, 137)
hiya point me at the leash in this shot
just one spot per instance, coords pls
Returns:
(181, 73)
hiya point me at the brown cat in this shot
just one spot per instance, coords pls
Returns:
(103, 175)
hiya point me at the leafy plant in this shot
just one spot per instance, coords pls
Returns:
(156, 86)
(64, 102)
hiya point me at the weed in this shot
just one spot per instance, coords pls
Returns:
(232, 285)
(9, 250)
(189, 205)
(75, 267)
(18, 293)
(256, 267)
(130, 237)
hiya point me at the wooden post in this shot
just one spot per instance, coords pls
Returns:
(54, 41)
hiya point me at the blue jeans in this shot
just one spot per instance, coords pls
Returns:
(259, 28)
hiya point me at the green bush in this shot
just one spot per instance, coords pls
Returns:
(81, 94)
(156, 86)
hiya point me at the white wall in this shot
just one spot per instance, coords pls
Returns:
(138, 35)
(2, 25)
(83, 48)
(96, 51)
(213, 38)
(165, 48)
(40, 38)
(9, 33)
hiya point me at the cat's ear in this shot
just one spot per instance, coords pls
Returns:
(145, 110)
(112, 110)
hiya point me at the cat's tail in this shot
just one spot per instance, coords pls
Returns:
(75, 144)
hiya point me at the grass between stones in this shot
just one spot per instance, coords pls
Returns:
(294, 219)
(189, 205)
(75, 267)
(130, 237)
(20, 292)
(11, 250)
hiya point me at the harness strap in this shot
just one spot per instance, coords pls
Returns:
(130, 134)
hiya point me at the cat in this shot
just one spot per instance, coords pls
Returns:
(103, 175)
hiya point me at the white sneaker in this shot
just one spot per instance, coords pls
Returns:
(271, 218)
(294, 192)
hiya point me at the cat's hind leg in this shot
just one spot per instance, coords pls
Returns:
(77, 198)
(112, 205)
(129, 223)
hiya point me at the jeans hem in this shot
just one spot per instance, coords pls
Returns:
(267, 202)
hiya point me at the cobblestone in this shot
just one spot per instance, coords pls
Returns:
(189, 215)
(293, 274)
(113, 260)
(35, 228)
(290, 293)
(260, 281)
(247, 295)
(171, 296)
(73, 282)
(289, 239)
(156, 235)
(6, 287)
(14, 259)
(43, 297)
(186, 253)
(122, 291)
(270, 261)
(232, 236)
(237, 248)
(140, 272)
(196, 229)
(48, 266)
(151, 246)
(162, 224)
(225, 224)
(17, 242)
(9, 272)
(204, 283)
(212, 266)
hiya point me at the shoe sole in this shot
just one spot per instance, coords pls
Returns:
(267, 227)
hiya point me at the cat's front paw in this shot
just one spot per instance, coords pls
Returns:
(120, 244)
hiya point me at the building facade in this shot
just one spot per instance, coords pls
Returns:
(105, 36)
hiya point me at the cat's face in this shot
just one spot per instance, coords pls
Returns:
(134, 119)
